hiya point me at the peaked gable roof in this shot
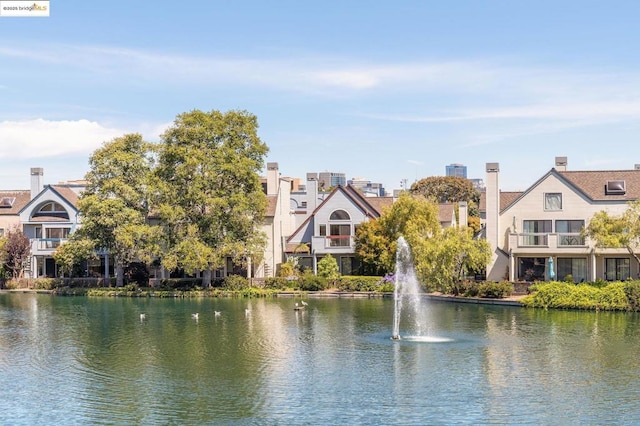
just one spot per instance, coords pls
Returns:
(590, 184)
(63, 192)
(67, 193)
(349, 191)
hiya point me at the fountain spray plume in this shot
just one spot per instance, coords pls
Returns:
(406, 287)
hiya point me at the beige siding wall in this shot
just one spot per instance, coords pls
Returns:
(574, 207)
(8, 222)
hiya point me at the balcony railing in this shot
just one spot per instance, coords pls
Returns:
(540, 240)
(533, 240)
(327, 244)
(570, 239)
(339, 241)
(44, 244)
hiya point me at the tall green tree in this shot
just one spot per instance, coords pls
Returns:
(412, 216)
(441, 257)
(454, 254)
(210, 198)
(72, 253)
(116, 203)
(617, 231)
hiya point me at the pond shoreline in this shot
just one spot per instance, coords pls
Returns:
(509, 301)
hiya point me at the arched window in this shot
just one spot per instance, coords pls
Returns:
(51, 208)
(339, 215)
(339, 233)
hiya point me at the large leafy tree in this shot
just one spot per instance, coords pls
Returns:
(446, 189)
(210, 198)
(451, 189)
(455, 253)
(116, 203)
(70, 255)
(617, 231)
(441, 257)
(413, 217)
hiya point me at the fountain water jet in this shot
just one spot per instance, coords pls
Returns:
(406, 287)
(407, 290)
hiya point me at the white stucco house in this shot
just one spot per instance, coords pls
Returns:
(330, 225)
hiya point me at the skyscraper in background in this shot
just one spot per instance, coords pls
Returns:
(328, 180)
(458, 170)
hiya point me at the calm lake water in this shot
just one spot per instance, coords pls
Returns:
(68, 360)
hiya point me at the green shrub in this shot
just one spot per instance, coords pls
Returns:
(468, 288)
(360, 283)
(181, 284)
(328, 269)
(130, 287)
(561, 295)
(310, 282)
(46, 283)
(632, 293)
(495, 290)
(11, 285)
(286, 270)
(568, 278)
(600, 283)
(276, 283)
(236, 282)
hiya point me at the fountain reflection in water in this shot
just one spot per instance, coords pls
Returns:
(407, 292)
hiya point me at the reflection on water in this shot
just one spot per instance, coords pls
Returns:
(88, 361)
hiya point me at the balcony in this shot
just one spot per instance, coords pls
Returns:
(533, 240)
(570, 239)
(543, 242)
(332, 244)
(46, 245)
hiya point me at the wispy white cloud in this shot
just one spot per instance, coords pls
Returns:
(491, 81)
(309, 74)
(41, 138)
(468, 94)
(589, 110)
(45, 138)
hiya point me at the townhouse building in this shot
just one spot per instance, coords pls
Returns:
(47, 214)
(536, 234)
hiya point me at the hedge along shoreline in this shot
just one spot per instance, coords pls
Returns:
(237, 286)
(614, 296)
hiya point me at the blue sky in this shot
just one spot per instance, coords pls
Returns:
(381, 90)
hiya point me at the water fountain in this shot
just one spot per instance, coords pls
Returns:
(407, 292)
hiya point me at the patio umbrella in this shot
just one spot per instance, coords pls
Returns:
(552, 273)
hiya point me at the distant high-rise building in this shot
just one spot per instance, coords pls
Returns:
(458, 170)
(328, 180)
(368, 188)
(478, 184)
